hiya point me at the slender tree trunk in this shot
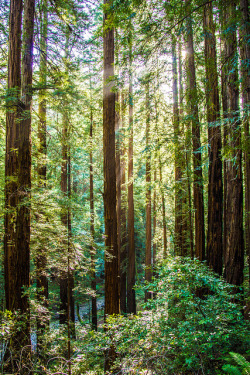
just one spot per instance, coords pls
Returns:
(190, 217)
(178, 171)
(148, 257)
(164, 224)
(184, 182)
(215, 189)
(111, 257)
(197, 162)
(154, 224)
(225, 106)
(123, 249)
(18, 173)
(11, 159)
(234, 241)
(70, 271)
(131, 232)
(67, 311)
(92, 228)
(112, 298)
(64, 217)
(245, 58)
(118, 197)
(41, 259)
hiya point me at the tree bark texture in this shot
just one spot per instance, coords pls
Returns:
(245, 58)
(225, 105)
(164, 223)
(118, 199)
(18, 169)
(154, 224)
(92, 227)
(197, 161)
(112, 298)
(123, 248)
(148, 255)
(112, 302)
(131, 231)
(215, 188)
(234, 241)
(41, 258)
(66, 278)
(178, 242)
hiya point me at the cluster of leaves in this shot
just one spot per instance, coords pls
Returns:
(243, 366)
(187, 328)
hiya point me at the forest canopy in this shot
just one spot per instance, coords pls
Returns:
(124, 187)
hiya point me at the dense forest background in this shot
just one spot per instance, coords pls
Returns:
(124, 187)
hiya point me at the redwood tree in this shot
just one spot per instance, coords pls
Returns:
(111, 256)
(197, 162)
(92, 223)
(148, 255)
(215, 192)
(131, 231)
(18, 169)
(178, 242)
(41, 258)
(234, 241)
(245, 77)
(112, 300)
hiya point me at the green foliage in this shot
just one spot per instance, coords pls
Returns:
(188, 328)
(242, 368)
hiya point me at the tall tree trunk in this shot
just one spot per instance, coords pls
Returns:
(92, 227)
(154, 224)
(131, 231)
(190, 216)
(245, 58)
(112, 300)
(18, 174)
(64, 218)
(184, 182)
(18, 171)
(67, 311)
(123, 246)
(225, 105)
(41, 258)
(234, 242)
(70, 270)
(197, 162)
(11, 161)
(148, 257)
(111, 257)
(215, 189)
(164, 224)
(177, 155)
(118, 199)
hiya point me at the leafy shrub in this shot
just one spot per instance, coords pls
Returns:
(187, 329)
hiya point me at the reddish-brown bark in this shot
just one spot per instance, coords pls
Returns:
(92, 227)
(245, 58)
(18, 171)
(215, 189)
(178, 241)
(112, 302)
(41, 258)
(197, 161)
(123, 246)
(234, 241)
(131, 303)
(148, 255)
